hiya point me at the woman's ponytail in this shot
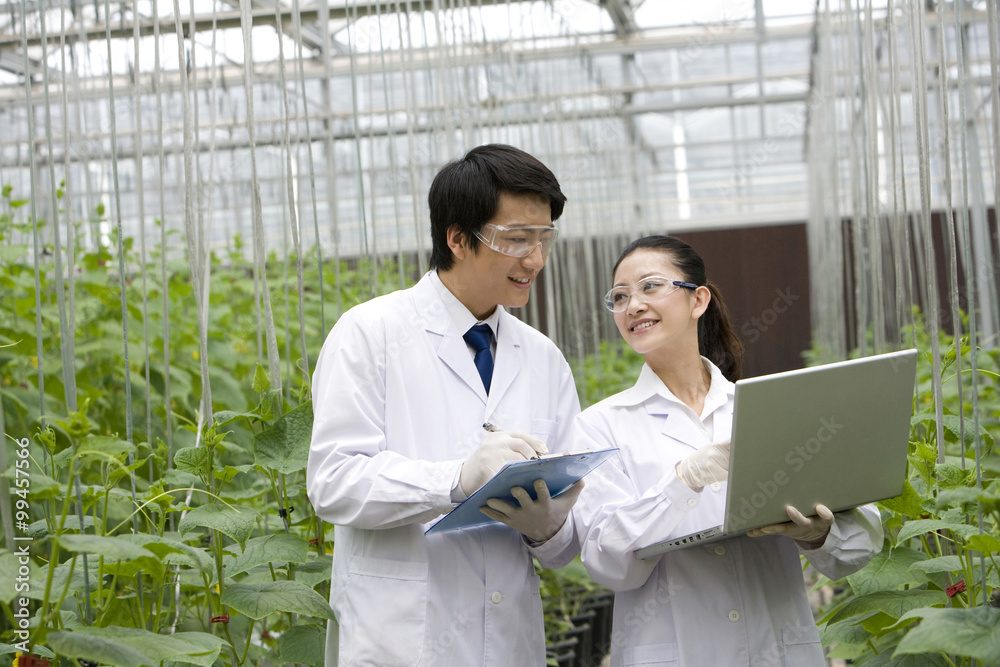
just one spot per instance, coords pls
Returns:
(717, 341)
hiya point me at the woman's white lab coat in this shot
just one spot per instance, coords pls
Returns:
(398, 406)
(737, 602)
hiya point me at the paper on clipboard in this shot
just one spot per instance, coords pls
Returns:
(560, 471)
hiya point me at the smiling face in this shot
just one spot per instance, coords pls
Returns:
(667, 322)
(484, 279)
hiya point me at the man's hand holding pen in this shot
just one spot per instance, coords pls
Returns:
(496, 449)
(537, 519)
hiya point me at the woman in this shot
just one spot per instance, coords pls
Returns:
(740, 601)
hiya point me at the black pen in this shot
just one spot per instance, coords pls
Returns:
(491, 427)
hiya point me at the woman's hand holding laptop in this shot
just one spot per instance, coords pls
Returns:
(809, 532)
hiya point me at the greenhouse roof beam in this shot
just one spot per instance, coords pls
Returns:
(278, 139)
(13, 62)
(311, 37)
(620, 12)
(122, 29)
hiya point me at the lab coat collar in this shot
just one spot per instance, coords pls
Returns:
(447, 317)
(650, 392)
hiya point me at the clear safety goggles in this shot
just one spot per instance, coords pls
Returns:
(518, 241)
(652, 287)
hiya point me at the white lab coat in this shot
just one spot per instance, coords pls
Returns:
(741, 601)
(398, 406)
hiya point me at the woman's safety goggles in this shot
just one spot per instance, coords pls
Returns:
(653, 287)
(518, 241)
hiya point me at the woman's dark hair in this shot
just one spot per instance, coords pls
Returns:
(717, 341)
(466, 193)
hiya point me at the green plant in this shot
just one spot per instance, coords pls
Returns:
(133, 551)
(931, 596)
(613, 368)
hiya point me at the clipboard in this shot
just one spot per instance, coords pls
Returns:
(560, 471)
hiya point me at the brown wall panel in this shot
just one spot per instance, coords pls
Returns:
(763, 274)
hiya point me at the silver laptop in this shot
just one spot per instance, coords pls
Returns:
(835, 434)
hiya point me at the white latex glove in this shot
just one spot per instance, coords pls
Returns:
(707, 465)
(809, 532)
(494, 451)
(538, 520)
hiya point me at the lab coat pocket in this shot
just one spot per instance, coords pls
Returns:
(386, 612)
(651, 655)
(543, 429)
(801, 646)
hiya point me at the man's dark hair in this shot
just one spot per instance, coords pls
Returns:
(467, 192)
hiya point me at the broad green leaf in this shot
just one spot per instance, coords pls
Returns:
(236, 522)
(315, 571)
(893, 603)
(279, 547)
(950, 476)
(11, 579)
(303, 644)
(44, 487)
(260, 600)
(887, 571)
(284, 447)
(101, 649)
(226, 473)
(130, 557)
(919, 526)
(224, 417)
(196, 648)
(877, 623)
(194, 460)
(907, 503)
(888, 660)
(163, 547)
(110, 547)
(952, 424)
(974, 633)
(964, 497)
(939, 564)
(103, 446)
(66, 576)
(37, 649)
(987, 544)
(175, 478)
(848, 631)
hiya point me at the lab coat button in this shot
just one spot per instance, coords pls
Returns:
(692, 501)
(734, 616)
(496, 597)
(716, 486)
(721, 550)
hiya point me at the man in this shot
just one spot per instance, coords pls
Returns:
(401, 399)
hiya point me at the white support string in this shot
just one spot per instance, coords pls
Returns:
(124, 297)
(293, 221)
(273, 359)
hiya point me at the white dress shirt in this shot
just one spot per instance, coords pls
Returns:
(399, 405)
(740, 601)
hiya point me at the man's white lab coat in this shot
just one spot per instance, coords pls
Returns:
(736, 602)
(399, 405)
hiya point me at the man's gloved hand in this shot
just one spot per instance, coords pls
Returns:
(494, 451)
(707, 465)
(538, 520)
(809, 532)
